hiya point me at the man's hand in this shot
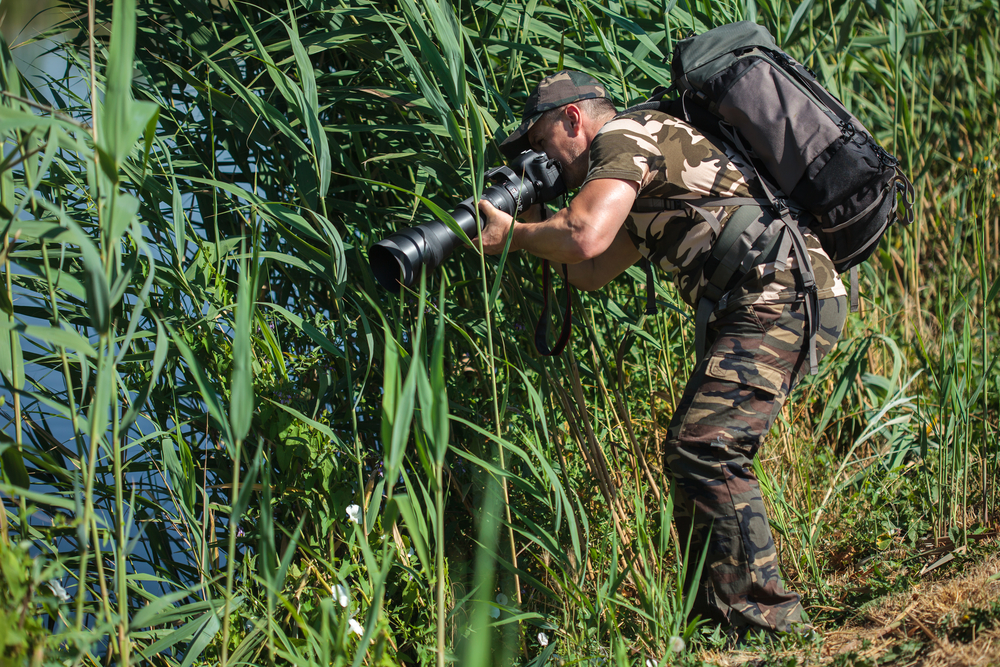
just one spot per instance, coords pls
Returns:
(532, 214)
(496, 226)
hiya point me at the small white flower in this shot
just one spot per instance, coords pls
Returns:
(494, 612)
(676, 644)
(342, 594)
(650, 662)
(356, 627)
(354, 513)
(58, 590)
(543, 639)
(502, 600)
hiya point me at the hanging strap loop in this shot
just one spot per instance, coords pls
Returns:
(541, 339)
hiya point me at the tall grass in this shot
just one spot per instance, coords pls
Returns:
(224, 444)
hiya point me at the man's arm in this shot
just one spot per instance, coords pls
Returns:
(589, 234)
(593, 274)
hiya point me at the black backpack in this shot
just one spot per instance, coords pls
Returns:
(810, 156)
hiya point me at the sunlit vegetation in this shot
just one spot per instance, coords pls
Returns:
(223, 443)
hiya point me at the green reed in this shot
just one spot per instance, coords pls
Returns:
(228, 445)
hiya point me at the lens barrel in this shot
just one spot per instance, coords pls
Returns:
(398, 259)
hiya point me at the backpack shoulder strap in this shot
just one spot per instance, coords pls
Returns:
(748, 237)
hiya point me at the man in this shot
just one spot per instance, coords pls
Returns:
(756, 339)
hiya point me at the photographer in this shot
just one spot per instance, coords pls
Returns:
(756, 342)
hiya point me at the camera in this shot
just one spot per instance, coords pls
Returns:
(530, 178)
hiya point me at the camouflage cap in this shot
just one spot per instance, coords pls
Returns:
(552, 92)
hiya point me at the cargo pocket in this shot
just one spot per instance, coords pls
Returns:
(748, 372)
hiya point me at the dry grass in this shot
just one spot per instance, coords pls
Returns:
(927, 614)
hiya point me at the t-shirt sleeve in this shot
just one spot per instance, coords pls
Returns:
(623, 149)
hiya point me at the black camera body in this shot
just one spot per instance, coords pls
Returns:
(530, 178)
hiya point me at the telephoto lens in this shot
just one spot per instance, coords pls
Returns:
(531, 178)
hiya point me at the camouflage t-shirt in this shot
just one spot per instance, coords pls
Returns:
(669, 158)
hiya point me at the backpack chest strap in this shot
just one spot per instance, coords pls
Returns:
(655, 204)
(751, 235)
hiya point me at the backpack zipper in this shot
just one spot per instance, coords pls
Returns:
(772, 59)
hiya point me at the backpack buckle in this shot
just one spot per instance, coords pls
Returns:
(722, 304)
(885, 158)
(781, 206)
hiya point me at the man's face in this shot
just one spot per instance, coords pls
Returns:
(556, 136)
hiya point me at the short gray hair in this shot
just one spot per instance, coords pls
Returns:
(596, 107)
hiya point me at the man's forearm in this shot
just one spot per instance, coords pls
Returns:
(580, 233)
(560, 239)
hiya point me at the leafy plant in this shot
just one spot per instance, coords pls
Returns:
(228, 445)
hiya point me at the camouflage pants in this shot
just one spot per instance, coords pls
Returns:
(756, 354)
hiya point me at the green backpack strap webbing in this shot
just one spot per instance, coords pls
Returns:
(854, 289)
(647, 267)
(797, 245)
(654, 204)
(811, 300)
(747, 238)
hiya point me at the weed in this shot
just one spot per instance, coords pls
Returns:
(218, 428)
(973, 621)
(852, 659)
(903, 653)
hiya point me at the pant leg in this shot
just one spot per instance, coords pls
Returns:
(756, 355)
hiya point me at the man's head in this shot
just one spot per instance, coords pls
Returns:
(560, 117)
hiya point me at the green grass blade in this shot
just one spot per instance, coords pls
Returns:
(241, 405)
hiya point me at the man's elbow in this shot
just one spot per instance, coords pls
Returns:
(585, 247)
(588, 283)
(586, 277)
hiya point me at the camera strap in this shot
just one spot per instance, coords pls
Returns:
(541, 339)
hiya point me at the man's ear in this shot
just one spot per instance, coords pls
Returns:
(574, 116)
